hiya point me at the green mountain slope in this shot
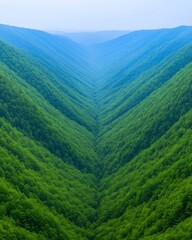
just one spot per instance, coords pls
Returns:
(47, 125)
(37, 106)
(41, 196)
(157, 178)
(150, 198)
(95, 141)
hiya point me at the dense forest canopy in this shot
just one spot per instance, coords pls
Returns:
(95, 141)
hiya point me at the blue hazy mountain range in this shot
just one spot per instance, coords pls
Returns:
(90, 38)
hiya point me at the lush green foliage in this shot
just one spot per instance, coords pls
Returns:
(95, 142)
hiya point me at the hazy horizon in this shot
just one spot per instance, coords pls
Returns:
(95, 15)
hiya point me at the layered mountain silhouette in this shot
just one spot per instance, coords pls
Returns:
(95, 140)
(90, 38)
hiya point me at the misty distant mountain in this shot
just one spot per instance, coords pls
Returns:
(89, 38)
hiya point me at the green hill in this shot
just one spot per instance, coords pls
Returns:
(95, 141)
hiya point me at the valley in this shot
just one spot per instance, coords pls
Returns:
(95, 140)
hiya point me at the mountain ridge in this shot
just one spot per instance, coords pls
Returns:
(91, 38)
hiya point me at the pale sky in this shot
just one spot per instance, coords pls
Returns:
(94, 15)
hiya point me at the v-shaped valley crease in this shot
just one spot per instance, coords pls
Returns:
(97, 114)
(115, 138)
